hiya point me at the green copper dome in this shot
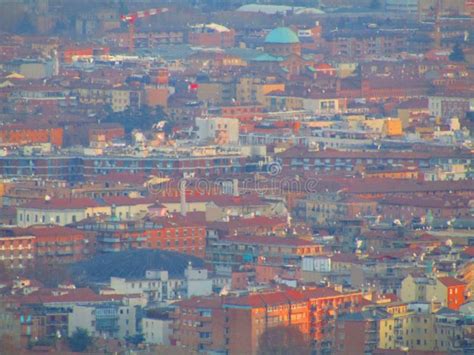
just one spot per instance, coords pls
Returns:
(282, 35)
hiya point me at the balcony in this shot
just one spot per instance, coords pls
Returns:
(64, 252)
(205, 340)
(109, 240)
(204, 319)
(65, 243)
(110, 250)
(205, 327)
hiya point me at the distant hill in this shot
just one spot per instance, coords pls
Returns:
(130, 264)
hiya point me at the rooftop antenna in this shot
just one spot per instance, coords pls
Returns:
(182, 191)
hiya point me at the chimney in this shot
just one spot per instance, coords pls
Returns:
(235, 187)
(338, 86)
(182, 191)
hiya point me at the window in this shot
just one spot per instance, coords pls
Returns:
(58, 219)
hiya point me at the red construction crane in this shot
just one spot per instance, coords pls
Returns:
(132, 18)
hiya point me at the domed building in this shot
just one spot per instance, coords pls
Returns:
(282, 42)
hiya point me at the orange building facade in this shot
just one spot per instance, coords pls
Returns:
(233, 325)
(171, 234)
(70, 54)
(48, 244)
(22, 135)
(16, 251)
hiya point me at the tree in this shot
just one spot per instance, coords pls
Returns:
(135, 339)
(142, 119)
(49, 274)
(80, 340)
(283, 340)
(44, 341)
(457, 55)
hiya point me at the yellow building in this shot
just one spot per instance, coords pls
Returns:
(216, 92)
(411, 326)
(345, 70)
(393, 127)
(124, 98)
(391, 329)
(288, 103)
(250, 90)
(413, 288)
(423, 327)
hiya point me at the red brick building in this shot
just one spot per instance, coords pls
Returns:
(405, 208)
(234, 324)
(108, 131)
(59, 244)
(176, 233)
(211, 35)
(360, 44)
(199, 324)
(16, 251)
(48, 244)
(357, 333)
(22, 134)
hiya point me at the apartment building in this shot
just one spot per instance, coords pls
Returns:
(234, 324)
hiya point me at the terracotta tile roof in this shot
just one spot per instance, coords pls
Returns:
(469, 251)
(78, 295)
(449, 281)
(177, 220)
(127, 201)
(47, 231)
(392, 297)
(414, 103)
(303, 152)
(260, 300)
(320, 292)
(344, 258)
(200, 302)
(290, 241)
(220, 200)
(428, 202)
(63, 204)
(136, 178)
(257, 222)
